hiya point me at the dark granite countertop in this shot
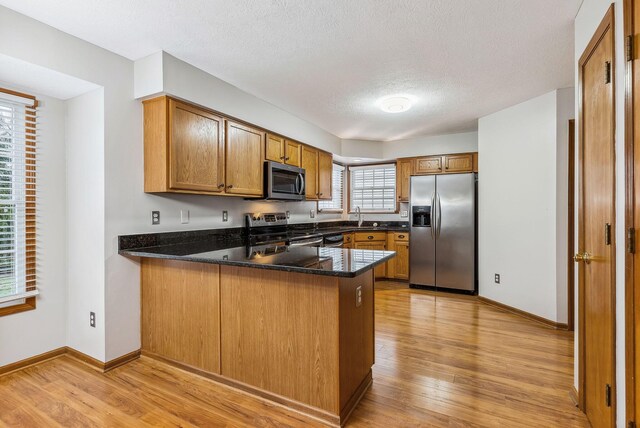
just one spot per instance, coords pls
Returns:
(231, 247)
(311, 260)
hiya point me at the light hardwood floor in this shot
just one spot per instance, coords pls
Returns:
(441, 361)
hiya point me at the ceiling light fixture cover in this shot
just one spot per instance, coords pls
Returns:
(395, 104)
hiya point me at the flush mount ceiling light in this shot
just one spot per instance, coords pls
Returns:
(395, 103)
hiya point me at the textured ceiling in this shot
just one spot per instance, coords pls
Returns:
(329, 61)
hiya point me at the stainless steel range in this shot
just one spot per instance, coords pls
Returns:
(270, 228)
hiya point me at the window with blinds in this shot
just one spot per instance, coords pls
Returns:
(373, 188)
(336, 204)
(18, 121)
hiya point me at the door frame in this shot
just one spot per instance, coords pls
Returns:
(631, 164)
(607, 23)
(571, 224)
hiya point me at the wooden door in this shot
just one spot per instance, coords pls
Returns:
(293, 153)
(310, 165)
(274, 150)
(402, 260)
(325, 174)
(596, 230)
(402, 179)
(196, 149)
(244, 154)
(380, 271)
(428, 165)
(458, 163)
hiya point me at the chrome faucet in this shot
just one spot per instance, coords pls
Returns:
(360, 219)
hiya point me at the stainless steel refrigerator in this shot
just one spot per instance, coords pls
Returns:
(443, 231)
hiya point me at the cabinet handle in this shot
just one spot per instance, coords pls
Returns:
(400, 236)
(321, 194)
(369, 237)
(220, 186)
(230, 186)
(287, 158)
(282, 158)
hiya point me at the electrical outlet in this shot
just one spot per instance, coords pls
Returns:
(358, 296)
(497, 278)
(225, 216)
(288, 215)
(92, 319)
(155, 217)
(184, 216)
(312, 213)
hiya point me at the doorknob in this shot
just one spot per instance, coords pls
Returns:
(584, 257)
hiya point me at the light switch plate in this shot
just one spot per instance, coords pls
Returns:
(184, 216)
(225, 216)
(312, 213)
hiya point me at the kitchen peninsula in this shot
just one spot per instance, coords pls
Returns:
(291, 324)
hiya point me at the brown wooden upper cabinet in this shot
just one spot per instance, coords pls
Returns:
(458, 163)
(318, 168)
(444, 164)
(189, 149)
(403, 175)
(280, 149)
(427, 165)
(244, 149)
(325, 173)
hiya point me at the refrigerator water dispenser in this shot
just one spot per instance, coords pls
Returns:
(421, 216)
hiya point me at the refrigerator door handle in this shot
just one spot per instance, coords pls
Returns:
(439, 218)
(433, 215)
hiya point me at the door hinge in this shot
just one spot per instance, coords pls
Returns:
(628, 47)
(607, 72)
(607, 234)
(607, 392)
(631, 240)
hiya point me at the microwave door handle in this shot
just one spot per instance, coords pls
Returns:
(302, 184)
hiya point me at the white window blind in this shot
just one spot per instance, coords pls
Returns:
(18, 156)
(373, 187)
(337, 191)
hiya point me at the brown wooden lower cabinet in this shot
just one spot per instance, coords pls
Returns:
(298, 339)
(398, 267)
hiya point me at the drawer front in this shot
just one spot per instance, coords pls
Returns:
(371, 236)
(400, 236)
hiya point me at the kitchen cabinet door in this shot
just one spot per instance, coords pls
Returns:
(325, 173)
(391, 264)
(244, 154)
(427, 165)
(458, 163)
(195, 149)
(401, 260)
(310, 165)
(380, 271)
(274, 148)
(403, 176)
(293, 153)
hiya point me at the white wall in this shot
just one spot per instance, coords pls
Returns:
(35, 332)
(85, 221)
(432, 145)
(589, 17)
(517, 211)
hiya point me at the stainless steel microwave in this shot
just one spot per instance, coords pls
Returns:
(283, 182)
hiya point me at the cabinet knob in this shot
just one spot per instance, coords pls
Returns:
(230, 186)
(321, 194)
(282, 158)
(220, 186)
(400, 236)
(369, 237)
(287, 158)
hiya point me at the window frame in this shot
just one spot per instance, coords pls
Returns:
(28, 303)
(395, 188)
(344, 186)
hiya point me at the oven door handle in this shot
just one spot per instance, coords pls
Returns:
(305, 243)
